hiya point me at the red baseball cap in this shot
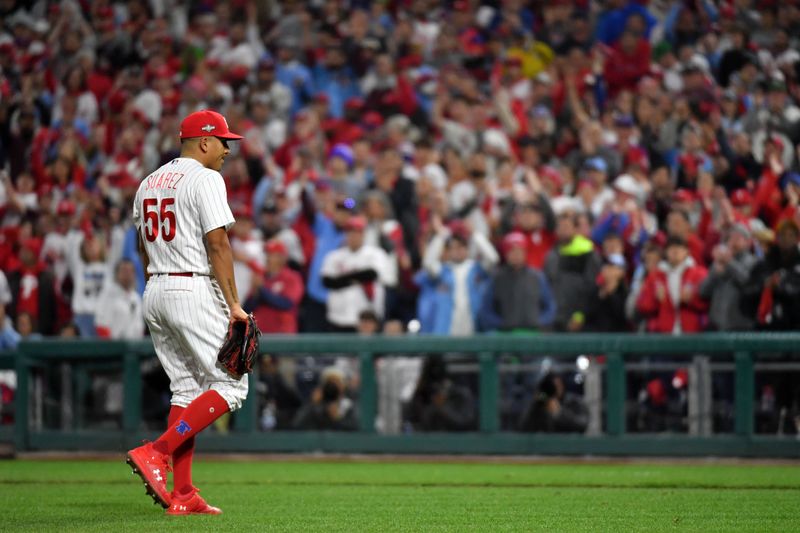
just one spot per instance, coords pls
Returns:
(372, 119)
(354, 103)
(356, 223)
(741, 197)
(638, 157)
(683, 195)
(552, 175)
(65, 207)
(206, 123)
(515, 239)
(275, 246)
(458, 228)
(776, 140)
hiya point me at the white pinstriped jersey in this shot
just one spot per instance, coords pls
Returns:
(174, 208)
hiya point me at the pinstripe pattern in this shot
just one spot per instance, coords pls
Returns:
(187, 316)
(188, 320)
(201, 205)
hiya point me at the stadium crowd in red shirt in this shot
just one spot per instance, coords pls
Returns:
(613, 135)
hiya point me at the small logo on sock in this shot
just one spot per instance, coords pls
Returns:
(183, 427)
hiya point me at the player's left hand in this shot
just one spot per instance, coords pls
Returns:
(240, 347)
(238, 314)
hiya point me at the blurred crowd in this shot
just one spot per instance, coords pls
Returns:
(433, 167)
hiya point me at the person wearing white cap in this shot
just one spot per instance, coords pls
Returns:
(624, 215)
(628, 184)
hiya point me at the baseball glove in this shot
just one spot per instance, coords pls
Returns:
(240, 348)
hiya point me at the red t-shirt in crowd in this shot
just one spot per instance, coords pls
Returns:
(539, 244)
(286, 283)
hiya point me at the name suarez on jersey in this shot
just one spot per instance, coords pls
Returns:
(165, 180)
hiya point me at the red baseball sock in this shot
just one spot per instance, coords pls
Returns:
(195, 418)
(181, 458)
(174, 412)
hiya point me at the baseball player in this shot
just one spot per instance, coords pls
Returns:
(182, 215)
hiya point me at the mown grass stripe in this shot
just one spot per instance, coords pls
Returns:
(424, 484)
(86, 496)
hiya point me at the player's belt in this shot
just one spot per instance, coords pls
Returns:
(180, 274)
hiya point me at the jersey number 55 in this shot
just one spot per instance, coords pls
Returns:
(156, 217)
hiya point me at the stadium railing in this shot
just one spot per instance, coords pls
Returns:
(245, 436)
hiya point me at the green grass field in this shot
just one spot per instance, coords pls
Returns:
(82, 495)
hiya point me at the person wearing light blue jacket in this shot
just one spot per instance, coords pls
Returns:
(452, 283)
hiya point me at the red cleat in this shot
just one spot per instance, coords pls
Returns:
(152, 466)
(194, 504)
